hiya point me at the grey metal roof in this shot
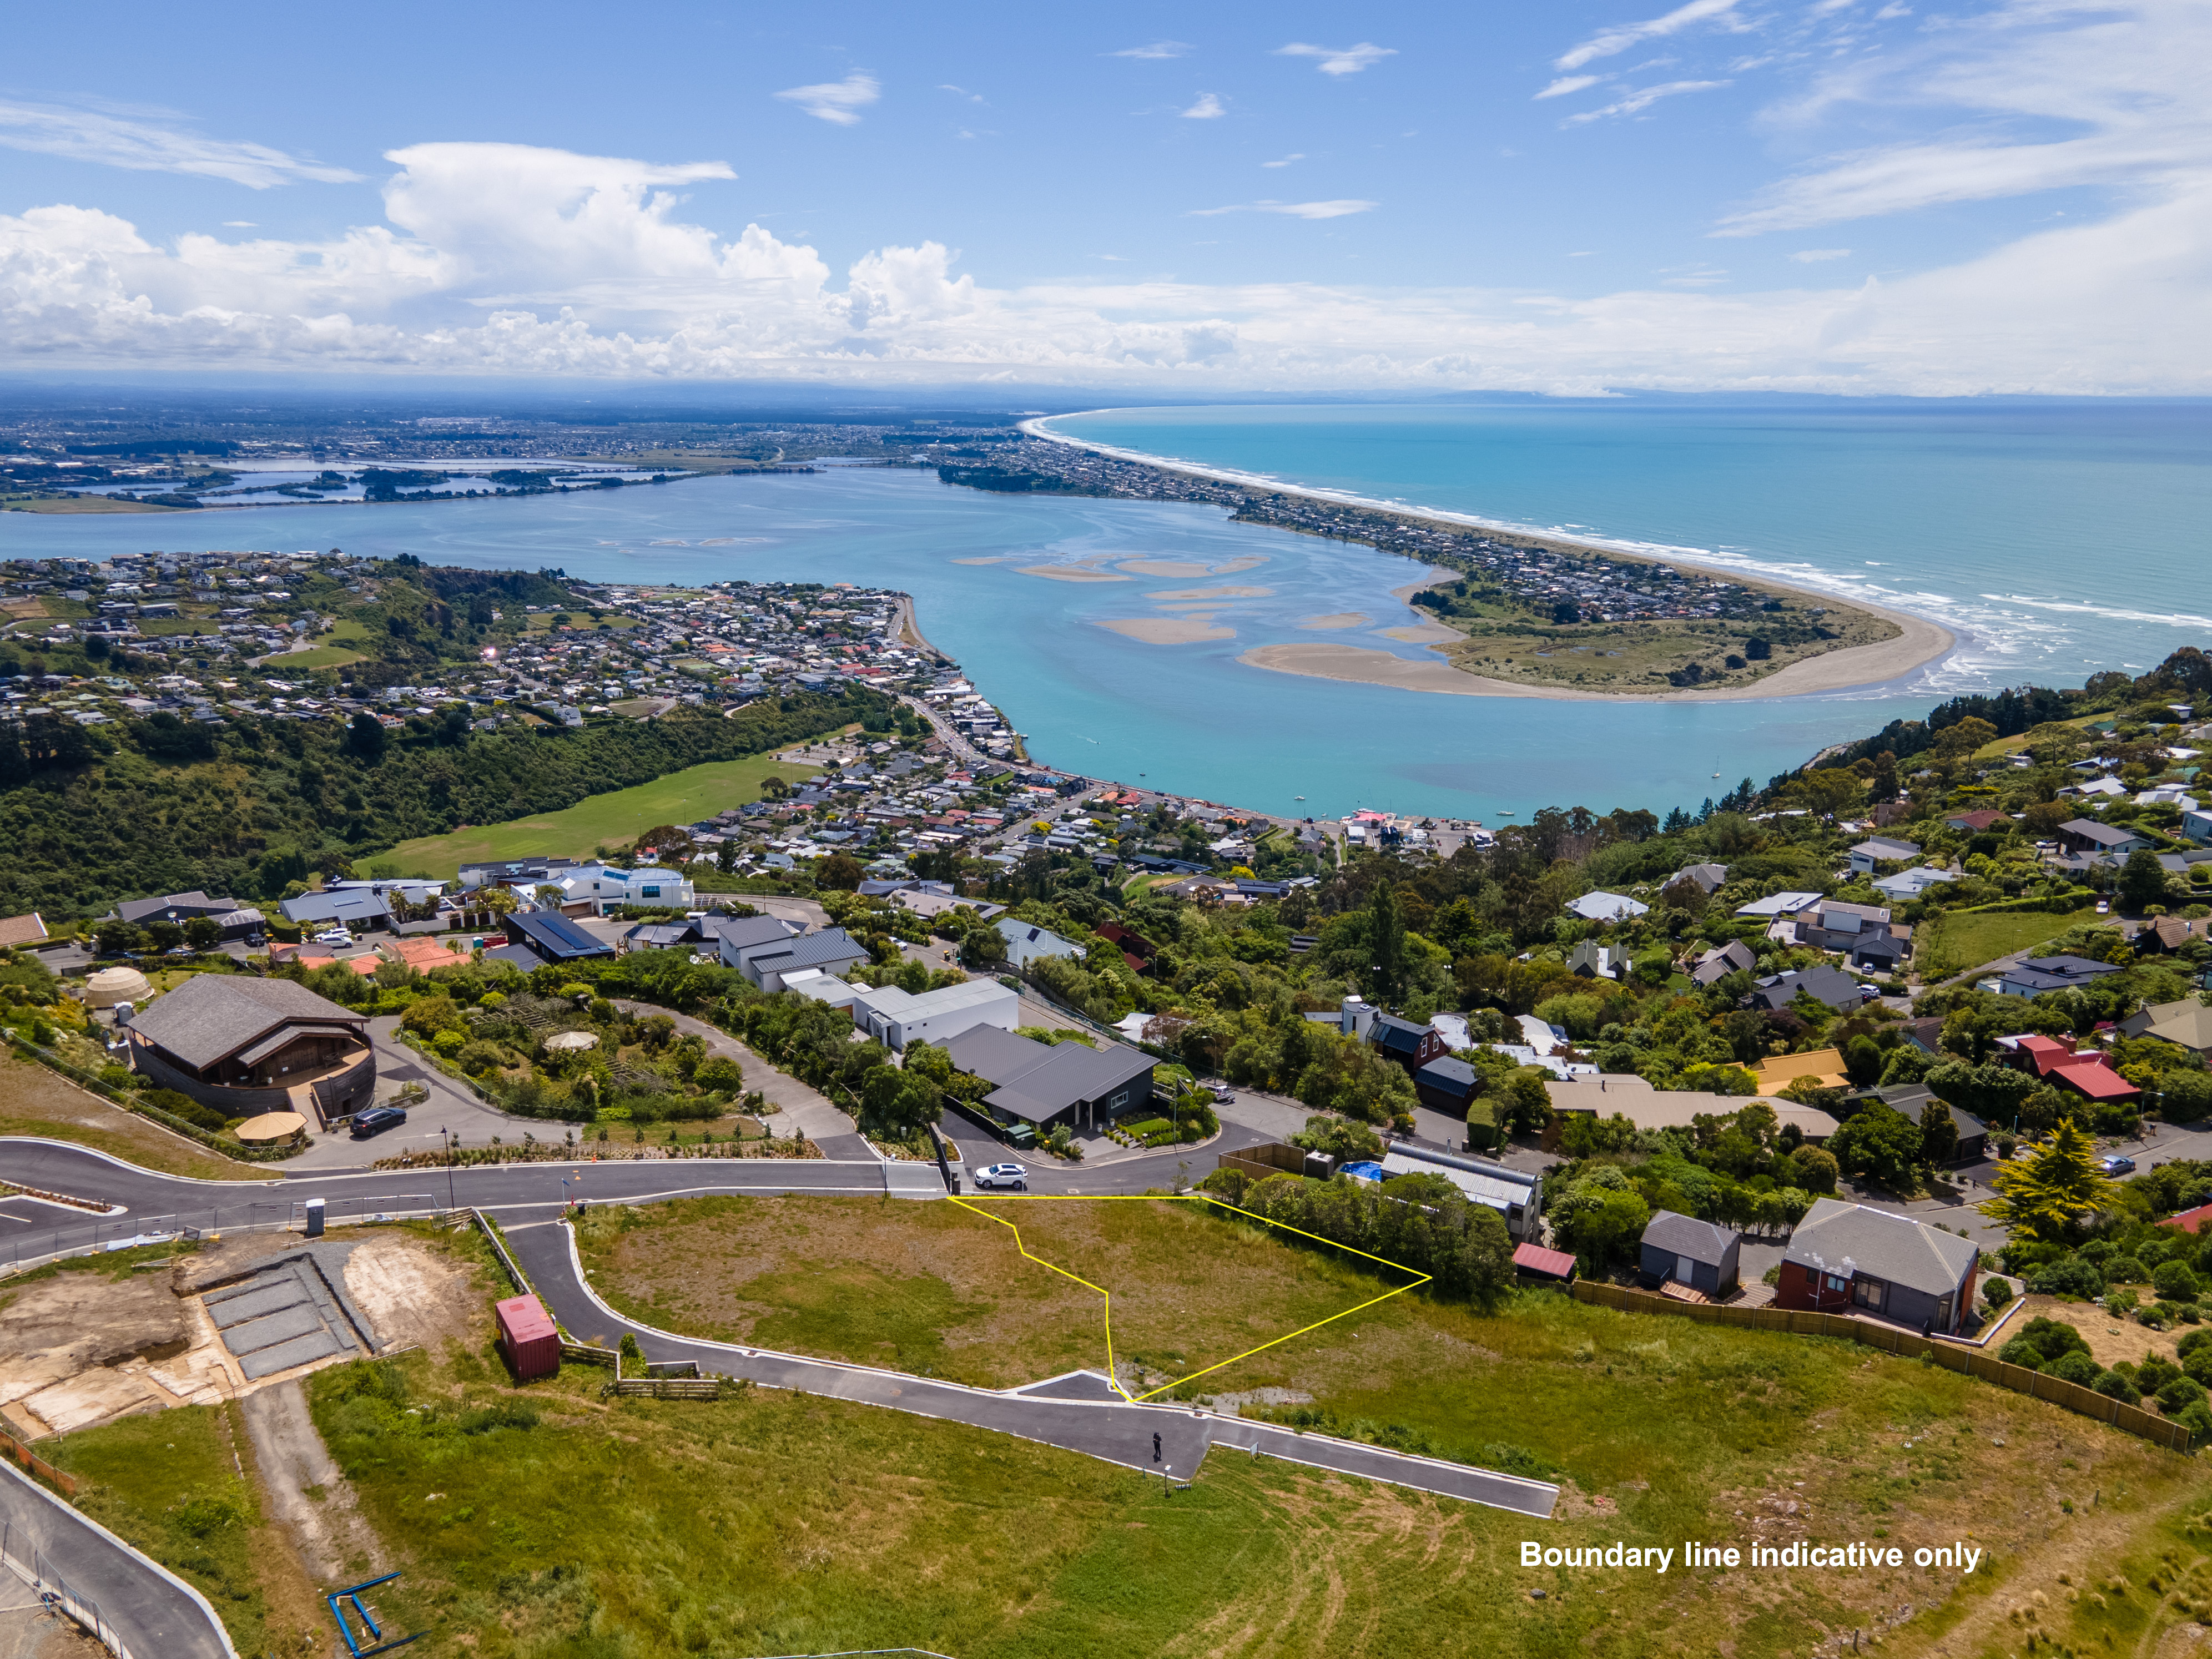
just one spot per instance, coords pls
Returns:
(210, 1015)
(1449, 1071)
(1891, 1248)
(1038, 1080)
(345, 904)
(831, 944)
(137, 912)
(1687, 1236)
(740, 931)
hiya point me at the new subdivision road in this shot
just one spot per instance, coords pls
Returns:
(528, 1199)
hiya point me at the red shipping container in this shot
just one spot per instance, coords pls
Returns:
(532, 1345)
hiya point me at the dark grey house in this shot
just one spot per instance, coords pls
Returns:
(246, 1045)
(233, 919)
(1846, 1258)
(1913, 1098)
(1046, 1085)
(1448, 1085)
(1823, 984)
(1686, 1251)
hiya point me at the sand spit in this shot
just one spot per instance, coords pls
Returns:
(1340, 619)
(1171, 630)
(1213, 594)
(1074, 573)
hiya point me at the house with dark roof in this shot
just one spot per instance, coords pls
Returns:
(2087, 835)
(2032, 976)
(232, 919)
(552, 936)
(1912, 1099)
(362, 910)
(246, 1045)
(1679, 1249)
(1717, 963)
(1048, 1085)
(1709, 877)
(1448, 1085)
(831, 951)
(1831, 985)
(1412, 1046)
(1846, 1258)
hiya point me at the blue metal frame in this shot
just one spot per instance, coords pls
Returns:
(368, 1619)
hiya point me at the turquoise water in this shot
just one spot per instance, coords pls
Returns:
(2055, 539)
(1192, 719)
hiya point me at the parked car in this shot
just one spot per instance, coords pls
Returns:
(376, 1120)
(2116, 1165)
(1002, 1174)
(2104, 907)
(334, 936)
(1224, 1095)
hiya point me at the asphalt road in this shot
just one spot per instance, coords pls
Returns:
(153, 1613)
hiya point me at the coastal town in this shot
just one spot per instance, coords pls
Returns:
(1856, 1047)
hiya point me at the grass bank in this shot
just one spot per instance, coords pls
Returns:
(616, 818)
(34, 1101)
(1956, 943)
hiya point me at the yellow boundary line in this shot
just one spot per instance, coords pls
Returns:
(1105, 1296)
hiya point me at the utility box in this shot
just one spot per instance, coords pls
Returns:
(527, 1336)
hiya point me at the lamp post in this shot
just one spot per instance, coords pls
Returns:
(448, 1137)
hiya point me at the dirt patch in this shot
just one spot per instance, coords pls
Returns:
(80, 1348)
(2110, 1340)
(308, 1497)
(414, 1294)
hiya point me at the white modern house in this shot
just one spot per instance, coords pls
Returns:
(895, 1018)
(605, 886)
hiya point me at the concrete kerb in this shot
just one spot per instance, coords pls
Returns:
(222, 1637)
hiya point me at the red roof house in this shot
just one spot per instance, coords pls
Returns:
(2191, 1221)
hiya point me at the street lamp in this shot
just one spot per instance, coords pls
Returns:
(447, 1136)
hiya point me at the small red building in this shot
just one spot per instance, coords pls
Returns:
(528, 1337)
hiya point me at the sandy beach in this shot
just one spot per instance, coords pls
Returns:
(1918, 643)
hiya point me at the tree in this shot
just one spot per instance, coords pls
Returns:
(2049, 1196)
(1880, 1143)
(1939, 1134)
(1813, 1170)
(898, 1103)
(1600, 1218)
(839, 870)
(365, 737)
(718, 1074)
(1386, 940)
(116, 936)
(982, 947)
(1863, 1061)
(2142, 882)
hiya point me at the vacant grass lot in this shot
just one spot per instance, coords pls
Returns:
(936, 1289)
(1659, 1430)
(34, 1101)
(616, 818)
(1956, 942)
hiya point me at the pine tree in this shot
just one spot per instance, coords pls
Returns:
(2052, 1191)
(1386, 940)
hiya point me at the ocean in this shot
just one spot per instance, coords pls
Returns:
(2089, 534)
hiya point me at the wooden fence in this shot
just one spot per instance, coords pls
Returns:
(667, 1388)
(1800, 1322)
(1271, 1159)
(587, 1354)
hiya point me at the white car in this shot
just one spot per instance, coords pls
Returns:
(1002, 1174)
(334, 936)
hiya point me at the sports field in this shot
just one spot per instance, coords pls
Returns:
(615, 819)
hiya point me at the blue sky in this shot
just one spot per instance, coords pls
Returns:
(1849, 195)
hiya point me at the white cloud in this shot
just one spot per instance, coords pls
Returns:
(2054, 94)
(1287, 160)
(1158, 49)
(1339, 60)
(1642, 99)
(1813, 256)
(1567, 83)
(838, 101)
(961, 92)
(1336, 210)
(143, 146)
(508, 260)
(239, 224)
(1607, 42)
(1209, 107)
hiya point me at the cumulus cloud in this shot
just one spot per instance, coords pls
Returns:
(513, 261)
(145, 146)
(838, 101)
(1339, 60)
(1209, 107)
(1609, 42)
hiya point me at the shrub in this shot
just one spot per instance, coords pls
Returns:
(2072, 1276)
(2197, 1418)
(2116, 1387)
(2125, 1270)
(2175, 1281)
(2074, 1367)
(2021, 1352)
(477, 1056)
(2051, 1338)
(2119, 1301)
(1997, 1291)
(1814, 1169)
(176, 1105)
(448, 1043)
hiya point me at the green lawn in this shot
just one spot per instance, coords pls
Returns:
(616, 818)
(1955, 943)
